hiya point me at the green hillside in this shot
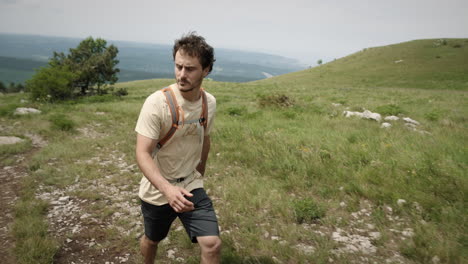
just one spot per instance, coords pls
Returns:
(428, 64)
(291, 178)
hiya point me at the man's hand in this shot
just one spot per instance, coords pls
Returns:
(175, 196)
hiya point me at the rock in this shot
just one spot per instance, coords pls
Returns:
(84, 216)
(366, 114)
(170, 254)
(306, 249)
(342, 204)
(336, 104)
(385, 125)
(435, 260)
(411, 121)
(350, 114)
(373, 116)
(401, 202)
(10, 140)
(25, 111)
(374, 235)
(64, 199)
(391, 118)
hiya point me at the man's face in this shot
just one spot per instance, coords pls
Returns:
(189, 72)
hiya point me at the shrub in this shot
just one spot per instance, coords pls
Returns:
(276, 100)
(433, 115)
(121, 92)
(61, 122)
(51, 83)
(390, 109)
(236, 111)
(306, 210)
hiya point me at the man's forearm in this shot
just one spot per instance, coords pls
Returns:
(151, 171)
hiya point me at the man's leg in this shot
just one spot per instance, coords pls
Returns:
(210, 249)
(148, 249)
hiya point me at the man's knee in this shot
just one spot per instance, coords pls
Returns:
(144, 240)
(210, 245)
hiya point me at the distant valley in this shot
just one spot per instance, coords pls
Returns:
(21, 54)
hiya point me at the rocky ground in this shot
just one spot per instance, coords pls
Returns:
(95, 220)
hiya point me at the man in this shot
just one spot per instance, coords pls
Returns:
(172, 185)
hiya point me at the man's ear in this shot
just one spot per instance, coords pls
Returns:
(206, 71)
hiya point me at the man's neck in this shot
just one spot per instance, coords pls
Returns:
(192, 95)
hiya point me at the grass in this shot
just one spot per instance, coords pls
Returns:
(284, 163)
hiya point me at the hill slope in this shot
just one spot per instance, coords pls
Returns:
(428, 64)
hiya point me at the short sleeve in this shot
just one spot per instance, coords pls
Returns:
(149, 120)
(211, 112)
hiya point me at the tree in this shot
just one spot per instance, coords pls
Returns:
(3, 88)
(92, 61)
(319, 62)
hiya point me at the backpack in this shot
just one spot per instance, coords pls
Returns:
(174, 108)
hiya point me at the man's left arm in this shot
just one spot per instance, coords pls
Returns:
(204, 156)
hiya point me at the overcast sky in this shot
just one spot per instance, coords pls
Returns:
(305, 30)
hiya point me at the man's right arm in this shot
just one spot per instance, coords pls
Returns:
(174, 194)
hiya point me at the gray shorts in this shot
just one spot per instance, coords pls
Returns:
(200, 222)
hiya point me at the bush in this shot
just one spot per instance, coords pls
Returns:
(236, 111)
(51, 84)
(276, 100)
(433, 115)
(390, 109)
(61, 122)
(306, 210)
(121, 92)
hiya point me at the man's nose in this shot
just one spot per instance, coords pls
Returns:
(183, 72)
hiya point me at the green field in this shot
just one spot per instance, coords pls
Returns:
(292, 179)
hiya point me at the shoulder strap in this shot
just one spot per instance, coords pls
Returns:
(173, 106)
(204, 114)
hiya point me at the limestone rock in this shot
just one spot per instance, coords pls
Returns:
(25, 111)
(10, 140)
(385, 125)
(391, 118)
(411, 121)
(373, 116)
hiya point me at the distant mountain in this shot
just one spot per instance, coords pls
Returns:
(22, 53)
(427, 64)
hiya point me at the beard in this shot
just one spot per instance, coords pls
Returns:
(189, 86)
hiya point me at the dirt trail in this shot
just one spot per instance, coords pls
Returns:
(10, 177)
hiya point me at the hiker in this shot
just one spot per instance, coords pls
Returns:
(173, 141)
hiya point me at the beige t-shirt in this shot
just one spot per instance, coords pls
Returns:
(180, 156)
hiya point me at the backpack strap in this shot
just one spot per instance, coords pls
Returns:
(174, 109)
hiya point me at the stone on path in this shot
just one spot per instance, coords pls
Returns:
(25, 111)
(10, 140)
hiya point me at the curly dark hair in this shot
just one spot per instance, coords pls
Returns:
(195, 46)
